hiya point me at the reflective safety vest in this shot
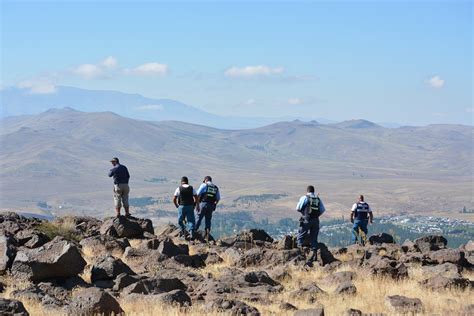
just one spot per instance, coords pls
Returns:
(312, 206)
(362, 211)
(211, 193)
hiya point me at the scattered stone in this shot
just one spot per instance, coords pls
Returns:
(403, 304)
(168, 248)
(7, 253)
(108, 268)
(310, 292)
(104, 245)
(260, 277)
(310, 312)
(154, 286)
(12, 307)
(382, 238)
(287, 307)
(58, 258)
(175, 297)
(123, 280)
(353, 312)
(340, 277)
(286, 243)
(430, 243)
(346, 288)
(455, 256)
(441, 283)
(31, 238)
(94, 301)
(447, 269)
(233, 307)
(126, 227)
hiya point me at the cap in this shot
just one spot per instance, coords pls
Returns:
(114, 159)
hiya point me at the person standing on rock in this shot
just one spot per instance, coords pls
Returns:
(208, 195)
(311, 207)
(361, 215)
(185, 198)
(121, 189)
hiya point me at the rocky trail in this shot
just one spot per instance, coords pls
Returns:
(84, 266)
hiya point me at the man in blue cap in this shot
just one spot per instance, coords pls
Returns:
(121, 189)
(208, 195)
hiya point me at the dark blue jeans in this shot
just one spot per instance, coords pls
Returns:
(362, 224)
(186, 211)
(311, 227)
(206, 212)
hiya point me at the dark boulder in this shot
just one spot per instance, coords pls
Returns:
(455, 256)
(309, 292)
(175, 297)
(353, 312)
(31, 238)
(108, 268)
(58, 258)
(123, 280)
(441, 283)
(126, 227)
(155, 286)
(12, 307)
(45, 293)
(346, 288)
(93, 301)
(447, 269)
(430, 243)
(7, 252)
(233, 307)
(382, 238)
(104, 245)
(194, 261)
(403, 304)
(168, 248)
(286, 243)
(310, 312)
(259, 277)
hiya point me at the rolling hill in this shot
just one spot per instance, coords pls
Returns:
(57, 161)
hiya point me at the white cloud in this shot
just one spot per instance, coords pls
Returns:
(38, 86)
(436, 82)
(110, 62)
(250, 102)
(89, 71)
(295, 101)
(253, 71)
(470, 110)
(150, 107)
(150, 69)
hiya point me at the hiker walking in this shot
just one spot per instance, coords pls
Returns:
(361, 215)
(121, 189)
(208, 195)
(185, 198)
(311, 207)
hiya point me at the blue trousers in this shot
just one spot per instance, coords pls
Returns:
(362, 224)
(206, 212)
(311, 227)
(186, 211)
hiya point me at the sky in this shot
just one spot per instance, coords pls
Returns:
(407, 62)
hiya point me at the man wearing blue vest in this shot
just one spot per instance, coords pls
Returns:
(185, 198)
(121, 189)
(361, 215)
(208, 195)
(311, 207)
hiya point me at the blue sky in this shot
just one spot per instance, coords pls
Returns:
(407, 62)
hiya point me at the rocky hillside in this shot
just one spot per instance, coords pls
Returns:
(84, 266)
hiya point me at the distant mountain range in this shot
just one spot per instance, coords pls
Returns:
(16, 101)
(60, 158)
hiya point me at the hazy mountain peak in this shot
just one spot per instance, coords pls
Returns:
(358, 124)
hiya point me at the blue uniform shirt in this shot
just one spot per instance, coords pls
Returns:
(203, 189)
(304, 201)
(120, 174)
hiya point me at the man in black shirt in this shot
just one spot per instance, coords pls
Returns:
(121, 189)
(185, 198)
